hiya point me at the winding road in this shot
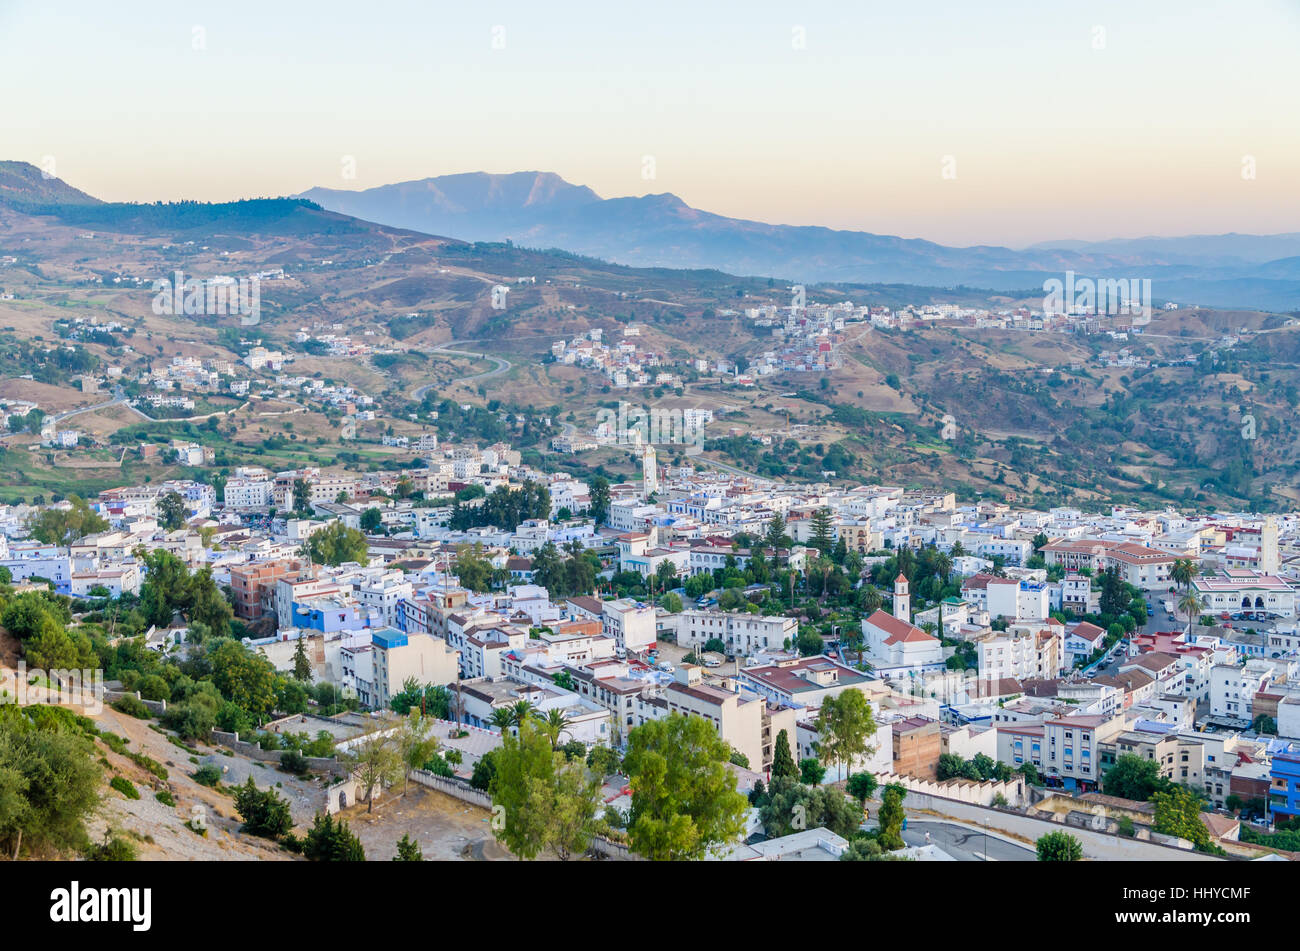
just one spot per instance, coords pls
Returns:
(502, 366)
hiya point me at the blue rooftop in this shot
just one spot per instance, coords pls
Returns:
(388, 638)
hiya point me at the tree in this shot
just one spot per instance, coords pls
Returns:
(575, 798)
(1182, 571)
(484, 771)
(891, 817)
(1178, 812)
(58, 526)
(246, 679)
(1058, 847)
(331, 841)
(775, 536)
(264, 813)
(336, 544)
(472, 570)
(671, 603)
(1191, 604)
(548, 800)
(549, 570)
(554, 726)
(598, 492)
(792, 807)
(822, 530)
(171, 511)
(861, 786)
(1133, 777)
(809, 642)
(415, 745)
(782, 761)
(525, 767)
(49, 786)
(603, 760)
(1114, 593)
(376, 762)
(301, 664)
(301, 496)
(520, 712)
(408, 850)
(844, 725)
(684, 799)
(371, 520)
(811, 771)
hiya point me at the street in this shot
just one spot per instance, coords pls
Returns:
(963, 844)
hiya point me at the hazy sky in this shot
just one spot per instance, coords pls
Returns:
(1059, 119)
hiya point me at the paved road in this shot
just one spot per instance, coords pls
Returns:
(963, 844)
(502, 366)
(118, 399)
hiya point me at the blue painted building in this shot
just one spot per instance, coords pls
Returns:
(1284, 790)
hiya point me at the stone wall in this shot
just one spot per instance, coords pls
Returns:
(978, 794)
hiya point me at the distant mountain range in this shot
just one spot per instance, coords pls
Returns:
(540, 209)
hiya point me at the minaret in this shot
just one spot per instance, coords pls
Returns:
(1268, 559)
(902, 600)
(649, 471)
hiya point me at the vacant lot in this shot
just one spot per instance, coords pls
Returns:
(445, 828)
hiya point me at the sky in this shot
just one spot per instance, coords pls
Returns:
(999, 122)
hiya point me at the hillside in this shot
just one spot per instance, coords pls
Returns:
(1037, 415)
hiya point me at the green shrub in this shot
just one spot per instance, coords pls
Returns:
(114, 848)
(291, 761)
(114, 742)
(207, 776)
(149, 763)
(165, 798)
(125, 787)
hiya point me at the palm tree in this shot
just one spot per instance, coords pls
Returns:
(943, 567)
(503, 718)
(1192, 605)
(871, 598)
(520, 712)
(554, 726)
(1183, 571)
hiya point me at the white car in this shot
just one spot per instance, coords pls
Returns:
(667, 668)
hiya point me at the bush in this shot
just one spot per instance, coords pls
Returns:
(149, 763)
(132, 707)
(192, 719)
(153, 687)
(484, 770)
(1059, 847)
(291, 761)
(165, 798)
(439, 767)
(125, 787)
(207, 776)
(114, 848)
(264, 813)
(330, 841)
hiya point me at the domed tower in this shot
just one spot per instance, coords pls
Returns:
(902, 599)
